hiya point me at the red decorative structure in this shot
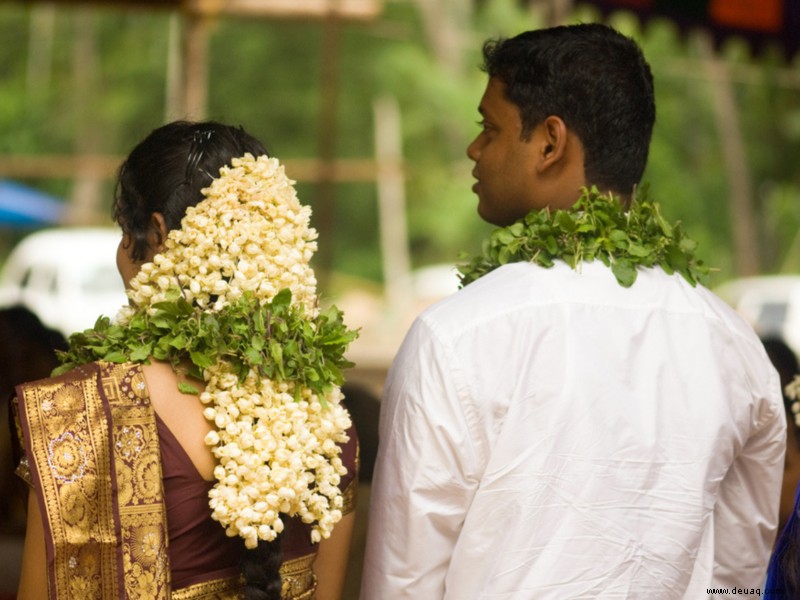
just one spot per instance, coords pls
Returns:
(760, 22)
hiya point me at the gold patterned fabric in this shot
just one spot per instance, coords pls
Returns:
(350, 497)
(297, 575)
(220, 589)
(298, 579)
(92, 454)
(92, 449)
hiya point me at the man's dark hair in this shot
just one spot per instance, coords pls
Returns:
(596, 80)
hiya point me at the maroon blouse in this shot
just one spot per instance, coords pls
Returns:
(199, 550)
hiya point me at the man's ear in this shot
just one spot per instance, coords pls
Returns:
(158, 232)
(553, 142)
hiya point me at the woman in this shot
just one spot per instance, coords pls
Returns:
(783, 573)
(213, 396)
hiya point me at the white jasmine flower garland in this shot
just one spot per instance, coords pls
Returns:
(234, 294)
(250, 234)
(276, 455)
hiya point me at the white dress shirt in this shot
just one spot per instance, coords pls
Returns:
(549, 434)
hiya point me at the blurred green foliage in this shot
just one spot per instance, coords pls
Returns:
(266, 74)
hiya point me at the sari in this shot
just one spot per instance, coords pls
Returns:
(92, 452)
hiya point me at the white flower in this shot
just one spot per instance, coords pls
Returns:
(273, 468)
(275, 455)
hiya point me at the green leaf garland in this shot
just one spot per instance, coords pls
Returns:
(596, 227)
(277, 339)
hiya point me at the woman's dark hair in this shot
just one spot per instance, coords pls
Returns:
(785, 362)
(596, 80)
(166, 172)
(260, 567)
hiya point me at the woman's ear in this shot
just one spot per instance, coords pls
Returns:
(158, 233)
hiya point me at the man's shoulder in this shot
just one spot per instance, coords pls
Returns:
(526, 287)
(529, 283)
(507, 290)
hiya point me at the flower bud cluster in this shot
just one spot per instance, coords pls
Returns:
(276, 455)
(250, 233)
(277, 444)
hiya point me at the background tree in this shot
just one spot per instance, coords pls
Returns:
(266, 75)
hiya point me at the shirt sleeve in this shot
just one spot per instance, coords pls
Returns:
(424, 475)
(746, 514)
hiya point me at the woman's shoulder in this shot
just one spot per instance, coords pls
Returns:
(74, 374)
(87, 373)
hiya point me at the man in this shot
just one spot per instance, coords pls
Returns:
(548, 432)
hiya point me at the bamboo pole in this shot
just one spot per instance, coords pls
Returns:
(40, 50)
(326, 144)
(174, 75)
(195, 65)
(740, 186)
(104, 166)
(392, 205)
(86, 195)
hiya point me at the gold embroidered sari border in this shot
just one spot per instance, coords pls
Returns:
(230, 588)
(350, 497)
(66, 442)
(297, 576)
(298, 579)
(98, 481)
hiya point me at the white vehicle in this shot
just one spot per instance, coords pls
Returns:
(771, 303)
(67, 276)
